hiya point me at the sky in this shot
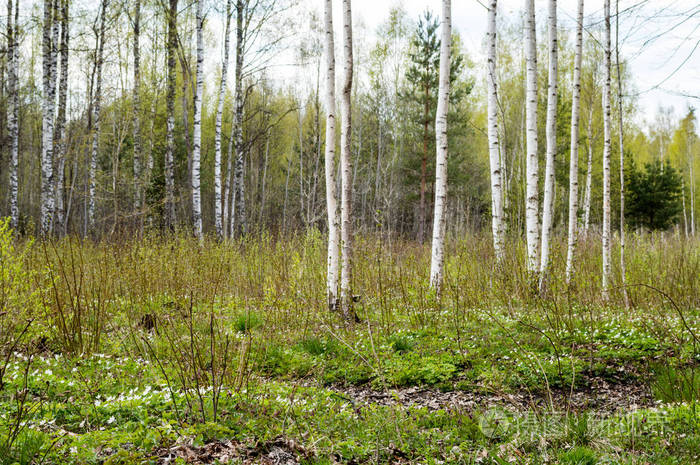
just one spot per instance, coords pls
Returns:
(660, 38)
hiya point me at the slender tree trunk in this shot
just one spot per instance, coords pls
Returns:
(197, 128)
(573, 161)
(532, 200)
(685, 214)
(238, 180)
(438, 246)
(47, 172)
(138, 169)
(331, 194)
(13, 110)
(497, 221)
(301, 166)
(346, 165)
(61, 148)
(264, 179)
(96, 116)
(228, 193)
(286, 197)
(422, 208)
(170, 218)
(551, 128)
(218, 215)
(623, 267)
(691, 161)
(589, 174)
(606, 155)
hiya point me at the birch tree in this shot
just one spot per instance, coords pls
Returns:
(589, 173)
(13, 110)
(623, 268)
(497, 220)
(169, 162)
(331, 194)
(197, 127)
(138, 169)
(237, 187)
(99, 58)
(532, 196)
(346, 163)
(218, 215)
(551, 133)
(61, 147)
(438, 245)
(573, 161)
(47, 125)
(606, 152)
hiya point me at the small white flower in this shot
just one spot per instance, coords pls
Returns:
(111, 420)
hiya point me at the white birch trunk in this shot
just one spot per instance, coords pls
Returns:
(497, 220)
(606, 154)
(13, 111)
(589, 174)
(218, 206)
(138, 169)
(238, 186)
(61, 121)
(532, 196)
(96, 117)
(228, 183)
(331, 194)
(551, 131)
(573, 161)
(169, 162)
(623, 267)
(346, 165)
(691, 161)
(438, 246)
(197, 128)
(47, 126)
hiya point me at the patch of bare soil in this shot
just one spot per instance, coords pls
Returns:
(601, 396)
(280, 451)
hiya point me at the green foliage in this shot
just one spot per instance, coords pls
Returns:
(579, 456)
(258, 307)
(654, 196)
(248, 321)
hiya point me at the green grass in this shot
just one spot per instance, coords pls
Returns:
(129, 348)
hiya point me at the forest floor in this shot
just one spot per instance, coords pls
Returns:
(143, 372)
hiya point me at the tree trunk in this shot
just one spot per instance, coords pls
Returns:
(692, 186)
(438, 246)
(685, 214)
(170, 218)
(551, 129)
(589, 174)
(606, 154)
(61, 121)
(218, 215)
(138, 169)
(497, 222)
(197, 128)
(13, 110)
(346, 165)
(238, 210)
(96, 116)
(422, 214)
(532, 201)
(623, 267)
(331, 194)
(48, 67)
(228, 193)
(573, 161)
